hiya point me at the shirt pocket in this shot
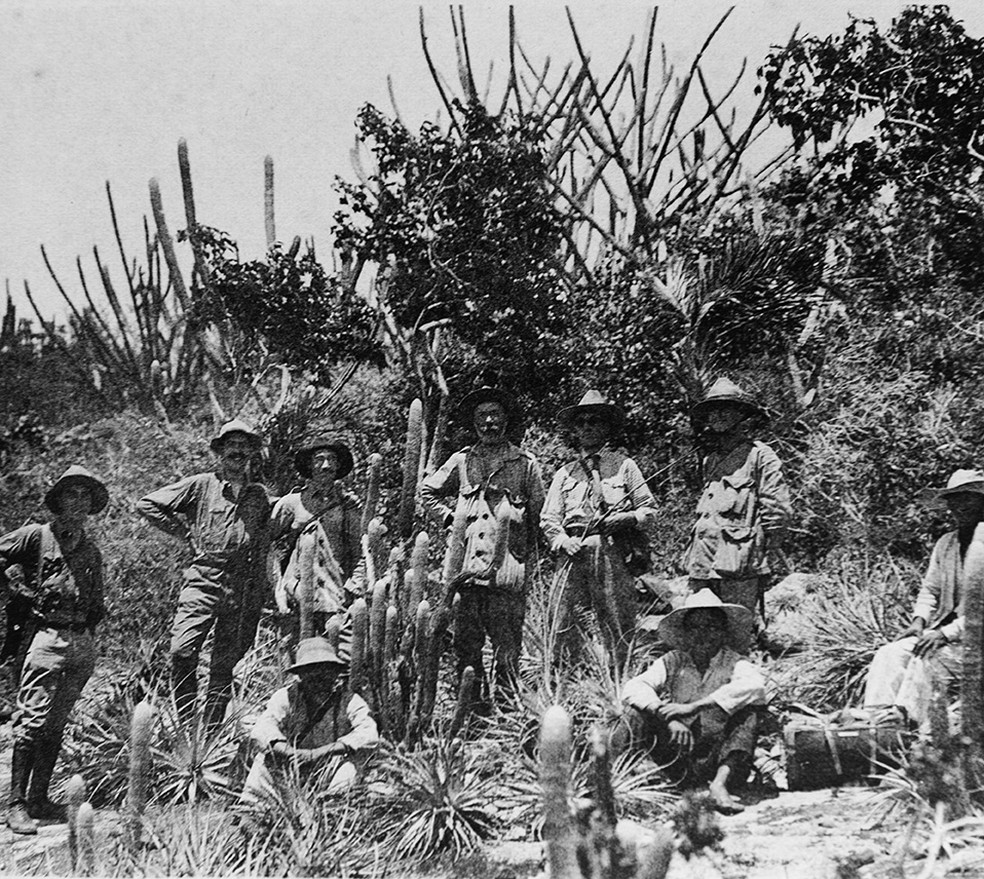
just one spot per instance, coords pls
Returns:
(220, 530)
(614, 491)
(736, 551)
(736, 497)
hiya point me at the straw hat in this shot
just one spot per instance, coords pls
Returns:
(593, 402)
(304, 454)
(314, 651)
(78, 475)
(672, 627)
(726, 391)
(231, 427)
(960, 482)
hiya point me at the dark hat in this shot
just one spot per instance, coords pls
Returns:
(671, 628)
(77, 475)
(314, 651)
(726, 391)
(304, 454)
(596, 402)
(469, 402)
(235, 426)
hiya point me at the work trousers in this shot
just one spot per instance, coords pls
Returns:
(718, 738)
(56, 668)
(497, 614)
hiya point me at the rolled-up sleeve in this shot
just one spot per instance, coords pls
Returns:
(642, 691)
(171, 508)
(746, 687)
(552, 515)
(641, 498)
(440, 485)
(364, 735)
(931, 587)
(268, 729)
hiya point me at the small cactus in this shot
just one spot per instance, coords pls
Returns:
(85, 828)
(141, 728)
(75, 791)
(411, 467)
(377, 630)
(463, 706)
(372, 491)
(555, 776)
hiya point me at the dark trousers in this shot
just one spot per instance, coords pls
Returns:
(718, 738)
(497, 614)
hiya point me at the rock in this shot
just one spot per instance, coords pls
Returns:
(650, 848)
(788, 612)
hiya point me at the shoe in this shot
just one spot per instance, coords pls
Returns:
(45, 810)
(19, 821)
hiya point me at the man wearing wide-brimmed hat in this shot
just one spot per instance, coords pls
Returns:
(696, 708)
(593, 518)
(328, 516)
(63, 586)
(744, 507)
(498, 493)
(225, 519)
(311, 723)
(902, 672)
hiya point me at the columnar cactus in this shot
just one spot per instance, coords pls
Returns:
(75, 796)
(141, 728)
(167, 243)
(268, 213)
(411, 467)
(555, 776)
(85, 828)
(360, 624)
(377, 629)
(372, 491)
(463, 705)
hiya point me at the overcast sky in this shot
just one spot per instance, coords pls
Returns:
(98, 91)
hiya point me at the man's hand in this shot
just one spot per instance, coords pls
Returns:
(673, 710)
(570, 545)
(929, 643)
(615, 522)
(916, 628)
(680, 735)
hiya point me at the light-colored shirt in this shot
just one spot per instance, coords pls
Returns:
(942, 590)
(572, 503)
(286, 719)
(730, 680)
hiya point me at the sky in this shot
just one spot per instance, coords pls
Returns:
(101, 91)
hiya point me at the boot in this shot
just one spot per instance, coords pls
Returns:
(184, 686)
(38, 804)
(21, 764)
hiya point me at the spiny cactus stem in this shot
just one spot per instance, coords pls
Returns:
(372, 491)
(141, 729)
(268, 212)
(555, 774)
(411, 467)
(463, 706)
(359, 630)
(85, 822)
(75, 797)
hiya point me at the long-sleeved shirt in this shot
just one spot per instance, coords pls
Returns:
(730, 680)
(227, 534)
(65, 587)
(744, 502)
(499, 495)
(286, 719)
(940, 599)
(572, 502)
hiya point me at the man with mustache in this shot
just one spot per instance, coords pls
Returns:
(224, 517)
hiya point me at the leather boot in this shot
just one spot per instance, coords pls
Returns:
(38, 804)
(184, 686)
(21, 764)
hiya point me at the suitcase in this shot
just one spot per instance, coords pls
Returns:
(821, 752)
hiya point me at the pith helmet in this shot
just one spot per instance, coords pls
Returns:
(314, 651)
(671, 628)
(594, 402)
(78, 475)
(304, 454)
(726, 391)
(235, 426)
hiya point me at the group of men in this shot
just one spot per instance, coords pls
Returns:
(695, 709)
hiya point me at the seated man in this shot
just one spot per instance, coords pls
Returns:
(902, 673)
(307, 723)
(696, 708)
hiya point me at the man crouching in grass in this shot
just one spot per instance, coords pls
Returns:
(696, 709)
(309, 723)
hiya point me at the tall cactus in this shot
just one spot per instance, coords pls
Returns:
(75, 797)
(357, 668)
(268, 213)
(555, 777)
(141, 728)
(167, 244)
(420, 653)
(372, 491)
(85, 828)
(463, 706)
(377, 632)
(411, 468)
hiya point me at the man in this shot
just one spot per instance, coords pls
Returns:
(902, 673)
(596, 505)
(323, 513)
(744, 504)
(310, 724)
(63, 587)
(696, 708)
(225, 518)
(498, 496)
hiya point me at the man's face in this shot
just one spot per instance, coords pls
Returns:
(592, 430)
(324, 468)
(966, 507)
(490, 422)
(705, 632)
(723, 417)
(74, 503)
(318, 681)
(235, 453)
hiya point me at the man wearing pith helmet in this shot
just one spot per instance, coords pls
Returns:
(594, 516)
(902, 672)
(63, 582)
(743, 509)
(224, 517)
(489, 496)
